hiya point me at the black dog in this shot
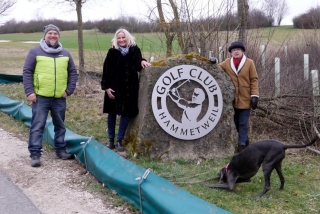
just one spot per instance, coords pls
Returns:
(246, 164)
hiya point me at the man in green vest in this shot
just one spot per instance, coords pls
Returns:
(49, 76)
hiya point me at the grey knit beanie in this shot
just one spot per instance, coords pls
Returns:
(50, 27)
(237, 44)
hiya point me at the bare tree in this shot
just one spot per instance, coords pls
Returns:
(166, 28)
(275, 10)
(194, 24)
(281, 11)
(243, 9)
(177, 23)
(270, 7)
(5, 6)
(171, 25)
(77, 5)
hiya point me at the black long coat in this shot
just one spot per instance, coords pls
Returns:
(120, 73)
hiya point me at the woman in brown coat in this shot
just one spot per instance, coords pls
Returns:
(245, 80)
(121, 84)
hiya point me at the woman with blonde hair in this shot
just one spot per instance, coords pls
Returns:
(120, 82)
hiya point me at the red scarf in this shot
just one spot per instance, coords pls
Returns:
(236, 62)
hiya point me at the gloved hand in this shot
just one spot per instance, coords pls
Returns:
(254, 102)
(213, 60)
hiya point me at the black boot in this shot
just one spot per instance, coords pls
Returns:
(120, 148)
(110, 145)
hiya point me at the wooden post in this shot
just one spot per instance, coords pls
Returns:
(306, 66)
(315, 87)
(277, 76)
(263, 57)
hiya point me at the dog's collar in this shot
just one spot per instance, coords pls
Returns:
(226, 167)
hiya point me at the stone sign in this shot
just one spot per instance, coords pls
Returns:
(165, 129)
(194, 121)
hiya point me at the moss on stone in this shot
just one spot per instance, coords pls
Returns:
(189, 56)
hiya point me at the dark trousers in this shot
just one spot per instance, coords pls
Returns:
(112, 119)
(40, 110)
(241, 121)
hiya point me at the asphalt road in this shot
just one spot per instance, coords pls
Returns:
(13, 200)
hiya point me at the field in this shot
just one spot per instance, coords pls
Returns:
(300, 168)
(96, 45)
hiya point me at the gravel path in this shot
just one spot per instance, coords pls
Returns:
(58, 186)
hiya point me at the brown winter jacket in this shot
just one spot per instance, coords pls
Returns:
(245, 82)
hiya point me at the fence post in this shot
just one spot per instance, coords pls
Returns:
(285, 48)
(315, 87)
(220, 54)
(263, 57)
(306, 66)
(277, 76)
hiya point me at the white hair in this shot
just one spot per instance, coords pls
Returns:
(129, 38)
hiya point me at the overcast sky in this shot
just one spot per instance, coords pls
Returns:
(25, 11)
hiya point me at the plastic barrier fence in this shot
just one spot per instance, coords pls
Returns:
(10, 79)
(147, 191)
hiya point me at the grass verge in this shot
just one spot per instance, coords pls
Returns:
(300, 168)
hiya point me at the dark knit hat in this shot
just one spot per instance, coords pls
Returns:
(49, 27)
(237, 44)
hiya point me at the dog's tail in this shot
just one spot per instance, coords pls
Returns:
(302, 146)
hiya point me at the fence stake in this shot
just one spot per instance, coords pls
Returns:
(263, 57)
(285, 48)
(277, 76)
(306, 66)
(315, 87)
(220, 54)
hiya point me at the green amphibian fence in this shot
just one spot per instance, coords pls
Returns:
(141, 187)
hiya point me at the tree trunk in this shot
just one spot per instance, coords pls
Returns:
(243, 9)
(166, 28)
(178, 25)
(202, 41)
(82, 75)
(169, 46)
